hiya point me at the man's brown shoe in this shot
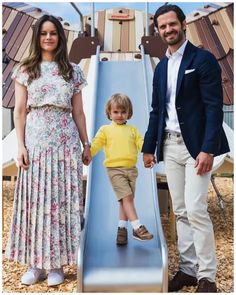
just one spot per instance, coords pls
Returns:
(121, 236)
(205, 286)
(180, 280)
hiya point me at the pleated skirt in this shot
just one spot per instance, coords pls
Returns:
(48, 201)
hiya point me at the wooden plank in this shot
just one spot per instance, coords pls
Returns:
(227, 77)
(201, 34)
(132, 39)
(219, 32)
(7, 38)
(10, 169)
(25, 43)
(115, 56)
(15, 40)
(8, 85)
(66, 33)
(11, 104)
(230, 59)
(215, 42)
(26, 53)
(227, 21)
(129, 56)
(124, 39)
(6, 14)
(230, 12)
(10, 19)
(192, 31)
(189, 34)
(7, 77)
(20, 36)
(116, 37)
(9, 95)
(227, 27)
(70, 40)
(108, 32)
(139, 28)
(8, 69)
(4, 58)
(86, 67)
(101, 28)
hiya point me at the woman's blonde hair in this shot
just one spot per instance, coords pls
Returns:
(121, 101)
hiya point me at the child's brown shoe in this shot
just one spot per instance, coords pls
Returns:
(142, 234)
(122, 236)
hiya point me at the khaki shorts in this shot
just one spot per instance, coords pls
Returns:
(123, 181)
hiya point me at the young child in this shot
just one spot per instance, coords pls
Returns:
(121, 144)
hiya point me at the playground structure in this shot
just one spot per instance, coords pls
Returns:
(102, 266)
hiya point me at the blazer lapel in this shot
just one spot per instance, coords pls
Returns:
(163, 86)
(189, 53)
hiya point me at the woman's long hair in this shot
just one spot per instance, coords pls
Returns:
(32, 63)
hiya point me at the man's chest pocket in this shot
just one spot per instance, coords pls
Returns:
(190, 79)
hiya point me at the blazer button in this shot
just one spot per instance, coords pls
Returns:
(181, 123)
(178, 108)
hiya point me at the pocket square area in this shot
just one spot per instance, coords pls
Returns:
(189, 71)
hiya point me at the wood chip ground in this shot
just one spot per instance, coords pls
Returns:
(223, 226)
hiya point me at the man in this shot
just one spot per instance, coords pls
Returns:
(185, 129)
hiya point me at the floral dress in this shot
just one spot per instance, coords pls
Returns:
(48, 201)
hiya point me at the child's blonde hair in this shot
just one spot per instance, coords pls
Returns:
(121, 101)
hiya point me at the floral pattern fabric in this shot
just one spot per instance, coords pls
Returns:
(50, 88)
(48, 201)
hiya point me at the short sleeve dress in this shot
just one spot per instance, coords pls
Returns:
(48, 201)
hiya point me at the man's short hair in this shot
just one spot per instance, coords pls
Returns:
(167, 8)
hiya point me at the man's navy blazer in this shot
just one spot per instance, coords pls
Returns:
(199, 103)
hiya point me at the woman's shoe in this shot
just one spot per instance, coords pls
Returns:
(33, 275)
(55, 277)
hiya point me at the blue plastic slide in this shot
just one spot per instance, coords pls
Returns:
(102, 265)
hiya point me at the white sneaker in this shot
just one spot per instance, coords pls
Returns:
(33, 275)
(55, 277)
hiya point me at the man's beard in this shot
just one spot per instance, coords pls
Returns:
(176, 40)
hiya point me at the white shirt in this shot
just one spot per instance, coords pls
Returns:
(174, 60)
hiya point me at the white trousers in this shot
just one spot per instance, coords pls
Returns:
(196, 243)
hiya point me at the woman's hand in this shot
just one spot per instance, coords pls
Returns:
(22, 158)
(86, 156)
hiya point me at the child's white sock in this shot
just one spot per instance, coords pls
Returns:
(135, 224)
(122, 223)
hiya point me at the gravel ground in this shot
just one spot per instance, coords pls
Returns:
(223, 227)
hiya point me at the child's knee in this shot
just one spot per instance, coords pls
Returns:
(128, 199)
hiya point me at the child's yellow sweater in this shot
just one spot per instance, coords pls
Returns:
(121, 144)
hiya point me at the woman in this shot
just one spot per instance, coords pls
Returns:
(48, 200)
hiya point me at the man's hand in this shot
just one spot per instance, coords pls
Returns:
(204, 163)
(149, 160)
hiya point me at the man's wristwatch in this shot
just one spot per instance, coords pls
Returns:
(86, 144)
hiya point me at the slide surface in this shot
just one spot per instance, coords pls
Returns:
(103, 266)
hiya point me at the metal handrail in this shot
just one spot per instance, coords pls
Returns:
(80, 14)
